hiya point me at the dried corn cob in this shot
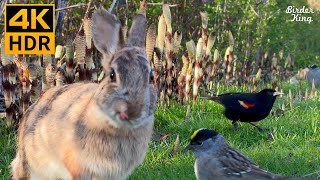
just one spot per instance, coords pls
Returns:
(191, 55)
(9, 85)
(228, 61)
(150, 41)
(167, 16)
(198, 69)
(59, 51)
(50, 75)
(274, 61)
(204, 28)
(176, 41)
(210, 43)
(87, 27)
(60, 78)
(182, 76)
(215, 64)
(80, 48)
(161, 33)
(70, 63)
(157, 67)
(169, 67)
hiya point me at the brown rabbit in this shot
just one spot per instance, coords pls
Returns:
(100, 131)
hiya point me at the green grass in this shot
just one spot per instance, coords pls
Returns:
(293, 150)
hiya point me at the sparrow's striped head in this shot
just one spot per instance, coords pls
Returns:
(202, 134)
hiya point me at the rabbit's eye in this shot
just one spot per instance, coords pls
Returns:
(113, 75)
(151, 77)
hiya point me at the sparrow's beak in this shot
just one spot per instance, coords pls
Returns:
(189, 147)
(277, 93)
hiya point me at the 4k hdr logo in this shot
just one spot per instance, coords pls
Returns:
(29, 29)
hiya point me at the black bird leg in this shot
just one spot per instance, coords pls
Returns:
(260, 129)
(235, 125)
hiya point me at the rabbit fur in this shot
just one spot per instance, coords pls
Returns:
(90, 130)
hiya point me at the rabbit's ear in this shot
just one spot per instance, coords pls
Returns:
(137, 33)
(106, 29)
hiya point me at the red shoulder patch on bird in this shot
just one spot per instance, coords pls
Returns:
(246, 104)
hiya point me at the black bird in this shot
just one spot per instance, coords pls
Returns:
(246, 107)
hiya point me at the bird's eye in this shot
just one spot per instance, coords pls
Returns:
(151, 77)
(113, 75)
(199, 143)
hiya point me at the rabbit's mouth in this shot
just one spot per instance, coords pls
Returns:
(123, 116)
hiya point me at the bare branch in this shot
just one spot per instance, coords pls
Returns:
(160, 4)
(112, 5)
(72, 6)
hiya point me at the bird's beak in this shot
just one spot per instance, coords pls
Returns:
(277, 93)
(189, 147)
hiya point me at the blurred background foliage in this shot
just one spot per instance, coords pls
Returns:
(258, 26)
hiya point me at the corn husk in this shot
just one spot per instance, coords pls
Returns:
(191, 49)
(80, 48)
(150, 41)
(176, 41)
(161, 33)
(167, 16)
(87, 27)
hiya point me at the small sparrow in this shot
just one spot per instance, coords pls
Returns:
(215, 159)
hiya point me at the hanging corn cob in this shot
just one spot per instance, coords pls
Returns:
(58, 54)
(182, 76)
(35, 73)
(60, 78)
(157, 67)
(80, 48)
(50, 75)
(256, 80)
(90, 67)
(288, 62)
(198, 69)
(22, 66)
(169, 52)
(167, 16)
(176, 41)
(158, 56)
(234, 70)
(46, 59)
(150, 42)
(215, 64)
(274, 61)
(191, 55)
(229, 56)
(207, 56)
(9, 85)
(70, 63)
(204, 29)
(161, 33)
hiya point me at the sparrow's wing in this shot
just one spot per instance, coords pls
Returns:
(236, 164)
